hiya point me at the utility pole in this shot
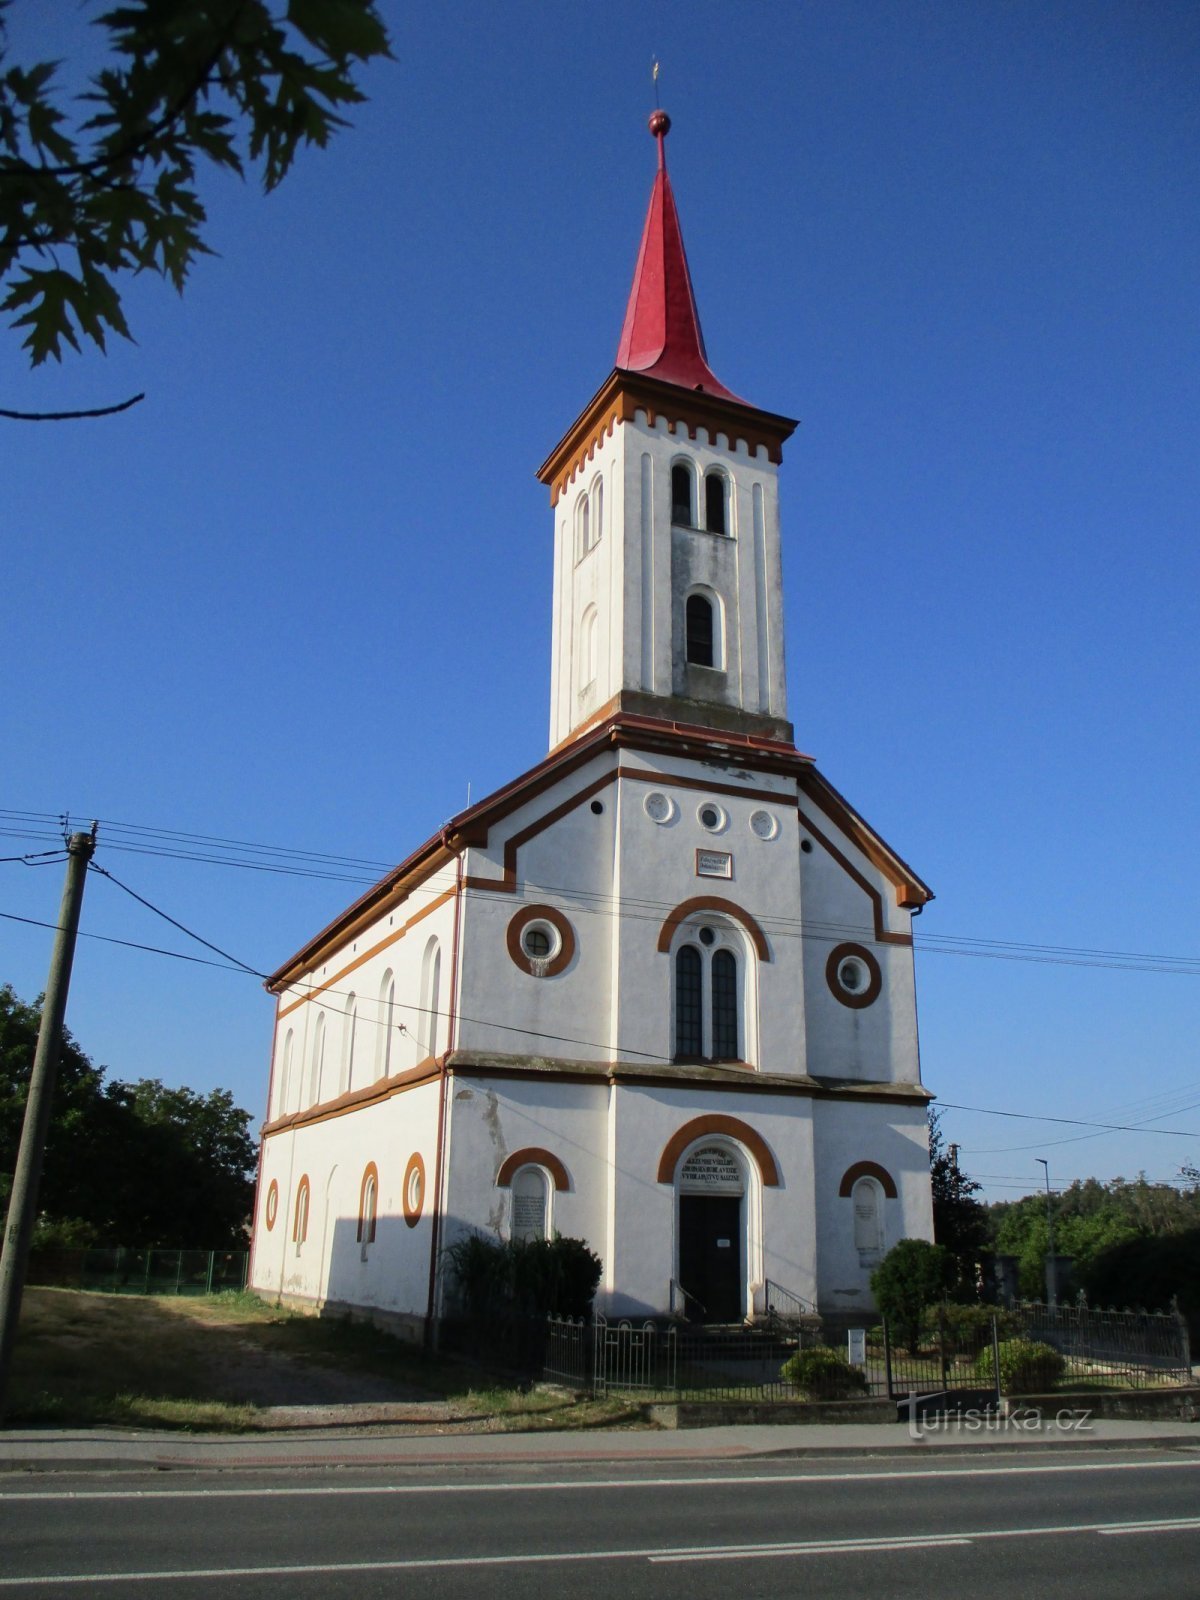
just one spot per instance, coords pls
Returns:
(22, 1204)
(1052, 1268)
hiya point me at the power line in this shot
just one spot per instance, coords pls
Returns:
(158, 912)
(1074, 1122)
(107, 938)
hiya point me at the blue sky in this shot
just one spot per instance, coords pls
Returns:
(300, 596)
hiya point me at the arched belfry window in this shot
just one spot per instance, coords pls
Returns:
(716, 502)
(701, 631)
(708, 1002)
(683, 495)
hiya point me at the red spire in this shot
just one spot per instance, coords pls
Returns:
(662, 336)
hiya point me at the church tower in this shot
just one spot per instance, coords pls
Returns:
(667, 580)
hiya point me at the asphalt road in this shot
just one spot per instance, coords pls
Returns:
(1096, 1526)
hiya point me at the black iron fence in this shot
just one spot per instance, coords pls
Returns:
(964, 1351)
(1132, 1349)
(127, 1271)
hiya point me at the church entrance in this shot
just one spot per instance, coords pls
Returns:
(711, 1192)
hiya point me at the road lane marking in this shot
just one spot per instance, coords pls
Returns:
(532, 1485)
(676, 1554)
(931, 1541)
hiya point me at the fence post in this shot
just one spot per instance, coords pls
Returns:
(212, 1256)
(996, 1357)
(178, 1269)
(887, 1358)
(941, 1330)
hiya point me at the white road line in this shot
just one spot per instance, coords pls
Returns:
(739, 1552)
(932, 1541)
(532, 1485)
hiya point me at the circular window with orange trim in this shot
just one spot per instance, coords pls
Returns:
(853, 976)
(540, 941)
(271, 1209)
(414, 1189)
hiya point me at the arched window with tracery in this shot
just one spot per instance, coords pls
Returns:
(709, 1003)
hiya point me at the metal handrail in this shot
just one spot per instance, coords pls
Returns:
(676, 1286)
(794, 1305)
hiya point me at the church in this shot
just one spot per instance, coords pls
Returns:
(657, 992)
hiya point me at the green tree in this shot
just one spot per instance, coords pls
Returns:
(911, 1277)
(960, 1222)
(126, 1163)
(87, 198)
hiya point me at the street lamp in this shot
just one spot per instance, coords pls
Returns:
(1052, 1273)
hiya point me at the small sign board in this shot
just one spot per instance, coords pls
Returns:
(856, 1347)
(710, 1170)
(714, 864)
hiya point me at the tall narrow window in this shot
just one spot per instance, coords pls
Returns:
(585, 531)
(284, 1102)
(589, 633)
(318, 1061)
(715, 499)
(368, 1207)
(689, 1018)
(300, 1219)
(724, 1006)
(683, 510)
(350, 1027)
(387, 1008)
(699, 621)
(431, 982)
(597, 511)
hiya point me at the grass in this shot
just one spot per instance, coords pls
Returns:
(181, 1362)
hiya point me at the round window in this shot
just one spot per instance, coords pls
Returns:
(540, 941)
(711, 816)
(658, 806)
(536, 942)
(763, 824)
(853, 975)
(708, 936)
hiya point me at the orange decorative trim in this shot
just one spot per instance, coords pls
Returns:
(714, 902)
(867, 1169)
(910, 891)
(882, 935)
(390, 939)
(271, 1209)
(532, 1156)
(424, 1072)
(566, 936)
(370, 1175)
(303, 1194)
(413, 1194)
(732, 1128)
(844, 997)
(623, 394)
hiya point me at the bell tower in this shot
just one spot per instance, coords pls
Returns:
(668, 598)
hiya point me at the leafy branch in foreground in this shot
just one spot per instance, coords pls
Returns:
(234, 83)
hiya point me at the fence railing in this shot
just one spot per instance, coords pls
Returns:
(127, 1271)
(1137, 1349)
(954, 1351)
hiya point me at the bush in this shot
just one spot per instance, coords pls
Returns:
(536, 1277)
(823, 1374)
(912, 1276)
(1026, 1366)
(972, 1323)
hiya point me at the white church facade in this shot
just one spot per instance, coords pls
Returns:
(656, 993)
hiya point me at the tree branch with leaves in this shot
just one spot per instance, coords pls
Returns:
(235, 84)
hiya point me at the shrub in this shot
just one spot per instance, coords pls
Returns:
(1026, 1366)
(823, 1374)
(912, 1276)
(536, 1277)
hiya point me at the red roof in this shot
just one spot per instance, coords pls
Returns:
(662, 334)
